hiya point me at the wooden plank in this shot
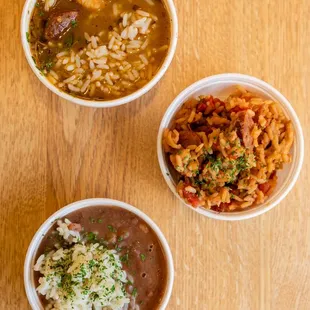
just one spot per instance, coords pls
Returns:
(53, 152)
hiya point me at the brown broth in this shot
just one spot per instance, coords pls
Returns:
(122, 230)
(44, 50)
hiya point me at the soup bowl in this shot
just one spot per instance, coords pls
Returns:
(25, 21)
(221, 86)
(29, 280)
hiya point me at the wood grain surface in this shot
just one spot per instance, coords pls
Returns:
(53, 152)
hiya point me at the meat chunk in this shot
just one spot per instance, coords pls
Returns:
(59, 23)
(94, 5)
(187, 138)
(75, 227)
(247, 125)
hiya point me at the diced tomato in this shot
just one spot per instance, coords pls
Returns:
(233, 157)
(222, 207)
(211, 100)
(216, 146)
(201, 107)
(75, 227)
(216, 100)
(265, 187)
(191, 198)
(194, 201)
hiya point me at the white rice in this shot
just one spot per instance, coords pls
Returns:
(54, 74)
(70, 79)
(85, 270)
(70, 67)
(87, 37)
(143, 13)
(108, 79)
(64, 231)
(144, 59)
(150, 2)
(49, 4)
(85, 85)
(78, 61)
(73, 88)
(61, 54)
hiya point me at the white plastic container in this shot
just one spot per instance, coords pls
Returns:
(221, 86)
(36, 241)
(25, 20)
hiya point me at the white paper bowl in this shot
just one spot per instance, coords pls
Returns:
(36, 241)
(221, 86)
(25, 20)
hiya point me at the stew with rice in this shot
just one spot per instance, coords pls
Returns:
(99, 49)
(135, 242)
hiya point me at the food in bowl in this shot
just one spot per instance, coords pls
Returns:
(226, 154)
(101, 258)
(99, 49)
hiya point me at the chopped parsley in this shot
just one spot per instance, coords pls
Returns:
(69, 41)
(125, 258)
(91, 236)
(73, 23)
(134, 292)
(48, 65)
(242, 163)
(111, 228)
(91, 263)
(143, 257)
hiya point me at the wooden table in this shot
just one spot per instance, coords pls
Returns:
(53, 152)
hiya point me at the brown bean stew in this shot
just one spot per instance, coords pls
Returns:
(136, 244)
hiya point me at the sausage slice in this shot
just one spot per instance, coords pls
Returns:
(247, 125)
(59, 23)
(189, 138)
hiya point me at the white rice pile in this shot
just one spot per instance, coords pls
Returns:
(106, 67)
(82, 277)
(72, 236)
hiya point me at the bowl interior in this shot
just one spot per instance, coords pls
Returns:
(25, 21)
(29, 280)
(221, 86)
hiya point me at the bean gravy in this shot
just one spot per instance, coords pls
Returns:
(136, 243)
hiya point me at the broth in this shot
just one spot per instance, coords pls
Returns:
(99, 54)
(136, 243)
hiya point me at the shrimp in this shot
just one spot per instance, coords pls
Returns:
(93, 4)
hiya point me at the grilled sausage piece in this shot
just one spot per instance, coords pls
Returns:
(189, 138)
(247, 125)
(59, 23)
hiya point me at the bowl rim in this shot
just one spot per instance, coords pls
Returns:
(218, 78)
(24, 28)
(92, 202)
